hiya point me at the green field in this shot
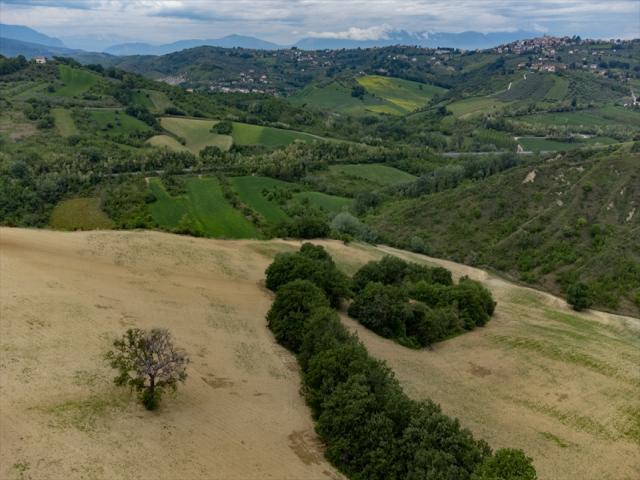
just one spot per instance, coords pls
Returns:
(75, 81)
(196, 132)
(331, 204)
(376, 173)
(141, 97)
(535, 87)
(159, 101)
(250, 189)
(588, 118)
(336, 96)
(64, 122)
(247, 134)
(116, 122)
(80, 214)
(405, 94)
(539, 144)
(203, 206)
(475, 106)
(167, 141)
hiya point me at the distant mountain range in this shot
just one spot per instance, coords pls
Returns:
(26, 34)
(230, 41)
(38, 43)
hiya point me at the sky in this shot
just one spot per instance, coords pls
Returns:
(285, 21)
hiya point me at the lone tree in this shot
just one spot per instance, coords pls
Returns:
(149, 363)
(579, 296)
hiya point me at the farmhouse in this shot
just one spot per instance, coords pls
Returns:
(40, 60)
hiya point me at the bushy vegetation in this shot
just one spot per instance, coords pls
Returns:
(370, 427)
(438, 309)
(311, 263)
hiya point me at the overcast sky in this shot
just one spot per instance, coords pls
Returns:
(287, 20)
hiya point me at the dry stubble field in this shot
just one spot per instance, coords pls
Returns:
(561, 385)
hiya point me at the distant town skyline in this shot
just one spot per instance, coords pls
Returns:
(285, 21)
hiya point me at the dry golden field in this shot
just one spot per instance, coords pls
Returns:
(563, 386)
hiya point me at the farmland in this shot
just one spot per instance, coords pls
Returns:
(197, 133)
(549, 144)
(115, 122)
(167, 141)
(202, 207)
(75, 81)
(589, 118)
(405, 94)
(246, 134)
(375, 173)
(559, 384)
(64, 122)
(250, 191)
(331, 204)
(80, 214)
(472, 106)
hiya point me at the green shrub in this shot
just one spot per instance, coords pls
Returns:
(310, 263)
(293, 305)
(383, 309)
(506, 464)
(579, 296)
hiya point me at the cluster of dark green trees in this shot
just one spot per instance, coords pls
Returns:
(371, 429)
(415, 304)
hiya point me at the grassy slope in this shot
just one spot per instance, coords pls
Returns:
(548, 144)
(120, 122)
(376, 173)
(167, 141)
(76, 81)
(560, 385)
(250, 192)
(331, 204)
(64, 122)
(573, 221)
(196, 132)
(205, 205)
(601, 116)
(80, 214)
(405, 94)
(246, 134)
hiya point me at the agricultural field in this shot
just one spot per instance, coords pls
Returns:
(336, 96)
(332, 204)
(167, 141)
(541, 144)
(65, 125)
(472, 106)
(589, 118)
(404, 94)
(559, 384)
(75, 81)
(116, 122)
(375, 173)
(250, 191)
(202, 206)
(196, 132)
(534, 87)
(80, 214)
(246, 134)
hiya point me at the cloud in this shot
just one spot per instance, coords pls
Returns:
(355, 33)
(277, 20)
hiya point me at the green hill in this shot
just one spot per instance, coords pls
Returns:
(551, 224)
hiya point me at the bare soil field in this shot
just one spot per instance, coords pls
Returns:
(563, 386)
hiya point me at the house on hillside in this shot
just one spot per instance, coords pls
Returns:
(40, 60)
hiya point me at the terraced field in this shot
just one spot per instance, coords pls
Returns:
(203, 206)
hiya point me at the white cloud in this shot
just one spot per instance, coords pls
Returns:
(355, 33)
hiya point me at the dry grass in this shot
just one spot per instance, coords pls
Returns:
(561, 385)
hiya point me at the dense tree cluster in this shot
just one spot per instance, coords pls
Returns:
(371, 429)
(311, 263)
(415, 304)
